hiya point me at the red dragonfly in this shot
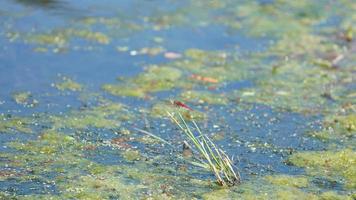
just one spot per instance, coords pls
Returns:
(182, 105)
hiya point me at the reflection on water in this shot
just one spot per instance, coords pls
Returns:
(42, 3)
(62, 8)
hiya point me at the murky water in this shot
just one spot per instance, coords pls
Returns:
(270, 82)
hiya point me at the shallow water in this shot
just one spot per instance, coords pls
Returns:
(271, 82)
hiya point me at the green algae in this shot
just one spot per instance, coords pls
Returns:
(269, 19)
(123, 182)
(49, 39)
(116, 23)
(307, 84)
(48, 143)
(347, 123)
(131, 155)
(260, 189)
(106, 115)
(151, 51)
(198, 67)
(124, 90)
(68, 84)
(38, 197)
(81, 121)
(306, 76)
(153, 79)
(330, 195)
(263, 188)
(217, 194)
(218, 65)
(338, 129)
(206, 56)
(15, 124)
(202, 97)
(285, 180)
(302, 45)
(5, 195)
(41, 49)
(52, 152)
(25, 99)
(62, 37)
(296, 86)
(324, 135)
(166, 182)
(146, 139)
(158, 78)
(166, 20)
(58, 153)
(329, 164)
(103, 186)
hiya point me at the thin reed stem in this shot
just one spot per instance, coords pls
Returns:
(215, 159)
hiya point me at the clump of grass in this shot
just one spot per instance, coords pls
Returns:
(215, 159)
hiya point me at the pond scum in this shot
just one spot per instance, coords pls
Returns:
(93, 151)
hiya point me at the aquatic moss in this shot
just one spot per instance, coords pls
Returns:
(68, 84)
(278, 18)
(329, 164)
(331, 195)
(8, 196)
(286, 180)
(151, 51)
(121, 26)
(84, 121)
(260, 189)
(202, 97)
(52, 153)
(165, 20)
(198, 67)
(62, 37)
(303, 44)
(24, 98)
(157, 78)
(347, 123)
(38, 197)
(106, 115)
(217, 194)
(103, 186)
(296, 86)
(164, 181)
(323, 135)
(48, 143)
(98, 37)
(337, 128)
(290, 23)
(131, 155)
(146, 139)
(215, 65)
(153, 79)
(211, 57)
(59, 40)
(15, 124)
(124, 90)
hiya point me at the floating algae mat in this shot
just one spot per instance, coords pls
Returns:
(86, 88)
